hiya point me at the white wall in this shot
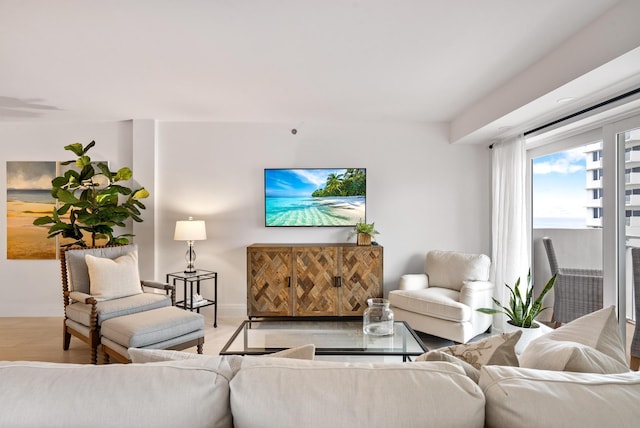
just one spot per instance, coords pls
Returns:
(422, 193)
(33, 287)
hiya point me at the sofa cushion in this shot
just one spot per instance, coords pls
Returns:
(168, 394)
(520, 397)
(278, 392)
(494, 350)
(449, 268)
(435, 302)
(113, 278)
(598, 330)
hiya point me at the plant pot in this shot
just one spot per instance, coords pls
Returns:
(364, 239)
(528, 334)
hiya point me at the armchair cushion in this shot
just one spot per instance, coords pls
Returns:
(437, 302)
(413, 281)
(76, 265)
(81, 312)
(113, 278)
(450, 269)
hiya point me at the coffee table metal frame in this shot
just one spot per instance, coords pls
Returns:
(406, 342)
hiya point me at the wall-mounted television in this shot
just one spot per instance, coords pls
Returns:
(314, 197)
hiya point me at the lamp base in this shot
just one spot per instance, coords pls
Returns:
(190, 257)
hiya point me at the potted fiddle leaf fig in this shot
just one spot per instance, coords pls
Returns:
(92, 201)
(365, 232)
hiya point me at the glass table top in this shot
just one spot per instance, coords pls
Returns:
(330, 337)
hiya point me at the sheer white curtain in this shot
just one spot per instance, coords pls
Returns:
(509, 252)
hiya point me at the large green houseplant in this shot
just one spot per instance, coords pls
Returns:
(92, 201)
(523, 308)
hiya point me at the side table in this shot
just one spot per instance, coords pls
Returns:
(195, 278)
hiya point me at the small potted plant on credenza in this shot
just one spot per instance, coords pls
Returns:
(364, 232)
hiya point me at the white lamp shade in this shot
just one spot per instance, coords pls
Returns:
(190, 230)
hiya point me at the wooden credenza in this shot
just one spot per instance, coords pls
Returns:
(312, 279)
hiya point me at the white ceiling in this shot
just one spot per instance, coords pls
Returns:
(271, 60)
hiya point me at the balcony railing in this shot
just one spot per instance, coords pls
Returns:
(594, 184)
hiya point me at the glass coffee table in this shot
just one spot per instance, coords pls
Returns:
(330, 337)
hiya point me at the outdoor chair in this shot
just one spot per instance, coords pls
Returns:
(101, 283)
(577, 292)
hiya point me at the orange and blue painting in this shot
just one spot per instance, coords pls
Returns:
(29, 197)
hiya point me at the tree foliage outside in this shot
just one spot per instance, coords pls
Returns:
(351, 183)
(91, 202)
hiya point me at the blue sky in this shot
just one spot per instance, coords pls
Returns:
(559, 185)
(295, 182)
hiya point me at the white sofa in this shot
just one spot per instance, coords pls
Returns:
(574, 376)
(443, 300)
(276, 392)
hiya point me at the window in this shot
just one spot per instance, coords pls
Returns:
(618, 142)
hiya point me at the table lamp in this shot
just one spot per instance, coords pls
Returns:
(190, 230)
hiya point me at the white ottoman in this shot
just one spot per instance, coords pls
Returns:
(162, 328)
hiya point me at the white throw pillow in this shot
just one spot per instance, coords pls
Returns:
(598, 330)
(560, 355)
(113, 278)
(449, 269)
(139, 355)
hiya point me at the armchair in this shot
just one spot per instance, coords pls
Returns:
(577, 291)
(100, 283)
(443, 301)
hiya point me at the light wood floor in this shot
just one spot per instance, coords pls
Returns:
(40, 339)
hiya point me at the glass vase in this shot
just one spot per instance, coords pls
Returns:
(377, 319)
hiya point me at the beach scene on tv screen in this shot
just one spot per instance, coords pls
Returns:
(315, 197)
